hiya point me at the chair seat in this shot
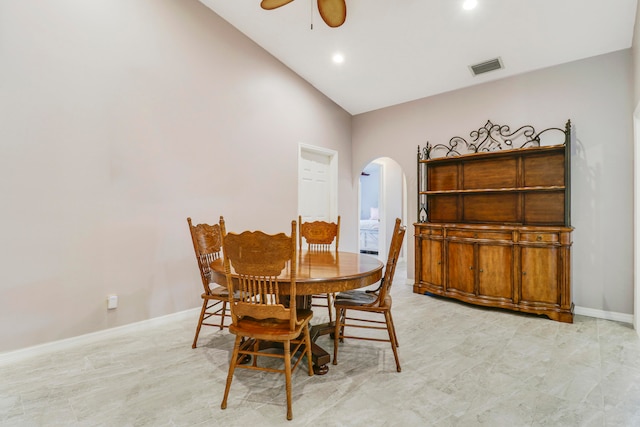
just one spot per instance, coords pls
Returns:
(217, 291)
(355, 298)
(271, 329)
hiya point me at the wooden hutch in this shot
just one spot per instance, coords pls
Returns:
(494, 220)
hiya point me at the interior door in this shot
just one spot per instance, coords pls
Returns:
(317, 189)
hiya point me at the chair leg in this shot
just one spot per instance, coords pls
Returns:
(393, 327)
(256, 348)
(392, 339)
(340, 313)
(287, 373)
(223, 315)
(204, 309)
(307, 337)
(232, 368)
(329, 305)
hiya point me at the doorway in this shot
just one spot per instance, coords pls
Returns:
(382, 198)
(370, 187)
(317, 183)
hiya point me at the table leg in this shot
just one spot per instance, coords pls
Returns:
(320, 359)
(319, 355)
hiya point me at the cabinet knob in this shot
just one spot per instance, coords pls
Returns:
(471, 268)
(438, 262)
(539, 238)
(524, 273)
(481, 270)
(475, 235)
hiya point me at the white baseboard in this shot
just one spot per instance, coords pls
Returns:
(590, 312)
(17, 355)
(24, 353)
(601, 314)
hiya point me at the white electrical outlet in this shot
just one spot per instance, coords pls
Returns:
(112, 302)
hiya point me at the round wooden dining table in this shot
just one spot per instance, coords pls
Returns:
(320, 272)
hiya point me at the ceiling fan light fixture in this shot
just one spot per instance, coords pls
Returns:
(333, 12)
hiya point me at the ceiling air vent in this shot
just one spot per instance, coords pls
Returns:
(485, 67)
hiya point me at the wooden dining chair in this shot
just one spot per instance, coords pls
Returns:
(319, 236)
(207, 244)
(376, 302)
(264, 308)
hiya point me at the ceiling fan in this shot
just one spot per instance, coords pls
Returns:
(333, 12)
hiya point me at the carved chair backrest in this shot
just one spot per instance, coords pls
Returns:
(319, 235)
(207, 244)
(254, 264)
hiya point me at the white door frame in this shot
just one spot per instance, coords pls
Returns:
(333, 175)
(636, 222)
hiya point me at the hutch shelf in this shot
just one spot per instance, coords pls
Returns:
(494, 220)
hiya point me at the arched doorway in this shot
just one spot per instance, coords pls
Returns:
(382, 198)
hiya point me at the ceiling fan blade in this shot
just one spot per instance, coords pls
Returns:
(273, 4)
(333, 12)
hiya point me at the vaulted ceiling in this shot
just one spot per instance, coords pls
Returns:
(401, 50)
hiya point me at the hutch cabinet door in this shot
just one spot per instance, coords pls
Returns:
(461, 268)
(431, 268)
(495, 272)
(540, 275)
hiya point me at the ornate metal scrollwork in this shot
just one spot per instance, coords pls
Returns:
(488, 138)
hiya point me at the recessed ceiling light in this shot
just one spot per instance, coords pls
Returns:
(469, 4)
(338, 58)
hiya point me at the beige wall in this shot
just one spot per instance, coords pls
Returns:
(118, 119)
(595, 94)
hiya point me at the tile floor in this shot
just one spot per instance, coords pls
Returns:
(461, 366)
